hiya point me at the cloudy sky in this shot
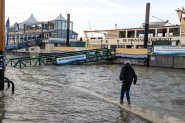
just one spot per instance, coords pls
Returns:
(99, 14)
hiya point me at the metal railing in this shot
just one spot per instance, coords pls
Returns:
(93, 55)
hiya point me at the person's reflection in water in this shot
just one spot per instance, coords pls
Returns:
(124, 116)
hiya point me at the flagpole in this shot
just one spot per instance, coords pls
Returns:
(2, 42)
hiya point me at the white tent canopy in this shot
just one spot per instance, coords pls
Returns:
(30, 20)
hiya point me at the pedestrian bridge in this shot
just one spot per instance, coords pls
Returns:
(21, 41)
(73, 57)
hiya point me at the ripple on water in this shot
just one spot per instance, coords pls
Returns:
(43, 94)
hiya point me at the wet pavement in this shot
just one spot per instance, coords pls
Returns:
(54, 94)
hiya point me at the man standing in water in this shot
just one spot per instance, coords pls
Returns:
(127, 75)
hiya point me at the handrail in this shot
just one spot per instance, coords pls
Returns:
(92, 55)
(6, 80)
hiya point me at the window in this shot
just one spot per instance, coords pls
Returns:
(59, 25)
(64, 25)
(140, 33)
(161, 32)
(54, 34)
(151, 33)
(131, 34)
(129, 46)
(174, 32)
(121, 46)
(122, 34)
(113, 46)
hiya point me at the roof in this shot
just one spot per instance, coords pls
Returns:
(30, 20)
(60, 17)
(156, 24)
(139, 28)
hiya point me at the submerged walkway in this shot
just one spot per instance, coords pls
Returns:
(90, 93)
(74, 57)
(147, 114)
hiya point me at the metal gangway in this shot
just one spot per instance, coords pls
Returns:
(93, 55)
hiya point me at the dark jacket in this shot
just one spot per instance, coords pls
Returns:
(128, 74)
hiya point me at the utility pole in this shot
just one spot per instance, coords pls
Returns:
(146, 25)
(2, 42)
(68, 29)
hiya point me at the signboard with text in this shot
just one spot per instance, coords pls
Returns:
(70, 59)
(168, 50)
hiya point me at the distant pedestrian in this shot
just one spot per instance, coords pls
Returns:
(127, 76)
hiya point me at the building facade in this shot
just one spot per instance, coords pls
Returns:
(53, 32)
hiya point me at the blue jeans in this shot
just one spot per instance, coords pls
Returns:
(125, 88)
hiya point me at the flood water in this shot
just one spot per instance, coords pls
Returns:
(51, 94)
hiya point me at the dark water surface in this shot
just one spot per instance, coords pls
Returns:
(48, 94)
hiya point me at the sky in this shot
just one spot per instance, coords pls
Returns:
(94, 14)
